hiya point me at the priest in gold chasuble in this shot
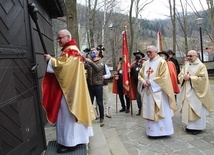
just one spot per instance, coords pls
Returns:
(65, 95)
(158, 101)
(195, 94)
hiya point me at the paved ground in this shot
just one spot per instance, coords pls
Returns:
(131, 130)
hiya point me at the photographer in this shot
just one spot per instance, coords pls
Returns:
(94, 68)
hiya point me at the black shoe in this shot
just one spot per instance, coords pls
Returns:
(122, 110)
(64, 149)
(138, 114)
(187, 130)
(127, 111)
(193, 132)
(196, 132)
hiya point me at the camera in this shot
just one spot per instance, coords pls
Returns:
(87, 50)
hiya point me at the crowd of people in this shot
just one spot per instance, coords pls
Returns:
(73, 81)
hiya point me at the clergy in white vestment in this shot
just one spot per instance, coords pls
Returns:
(66, 99)
(195, 94)
(158, 101)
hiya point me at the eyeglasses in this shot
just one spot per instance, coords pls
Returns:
(149, 52)
(59, 38)
(190, 56)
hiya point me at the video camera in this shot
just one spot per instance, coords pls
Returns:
(87, 50)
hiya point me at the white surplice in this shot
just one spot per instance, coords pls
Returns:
(68, 131)
(155, 95)
(164, 126)
(188, 97)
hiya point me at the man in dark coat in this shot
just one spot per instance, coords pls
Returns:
(175, 61)
(135, 68)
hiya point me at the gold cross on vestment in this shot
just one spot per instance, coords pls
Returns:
(149, 72)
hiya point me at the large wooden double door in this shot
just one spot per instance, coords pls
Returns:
(21, 127)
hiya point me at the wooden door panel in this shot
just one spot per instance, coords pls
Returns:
(21, 126)
(12, 22)
(18, 119)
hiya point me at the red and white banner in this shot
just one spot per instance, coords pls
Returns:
(125, 64)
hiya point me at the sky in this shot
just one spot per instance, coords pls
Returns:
(159, 9)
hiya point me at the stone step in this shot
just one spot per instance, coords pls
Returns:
(53, 145)
(97, 144)
(106, 142)
(114, 142)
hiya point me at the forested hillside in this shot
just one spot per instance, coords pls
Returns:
(146, 31)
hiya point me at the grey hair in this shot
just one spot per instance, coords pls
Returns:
(66, 32)
(154, 48)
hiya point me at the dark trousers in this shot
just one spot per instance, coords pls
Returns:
(127, 106)
(97, 91)
(139, 102)
(121, 94)
(138, 96)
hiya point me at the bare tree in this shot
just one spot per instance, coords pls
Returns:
(95, 31)
(173, 20)
(131, 29)
(91, 21)
(104, 23)
(211, 12)
(182, 20)
(134, 24)
(72, 22)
